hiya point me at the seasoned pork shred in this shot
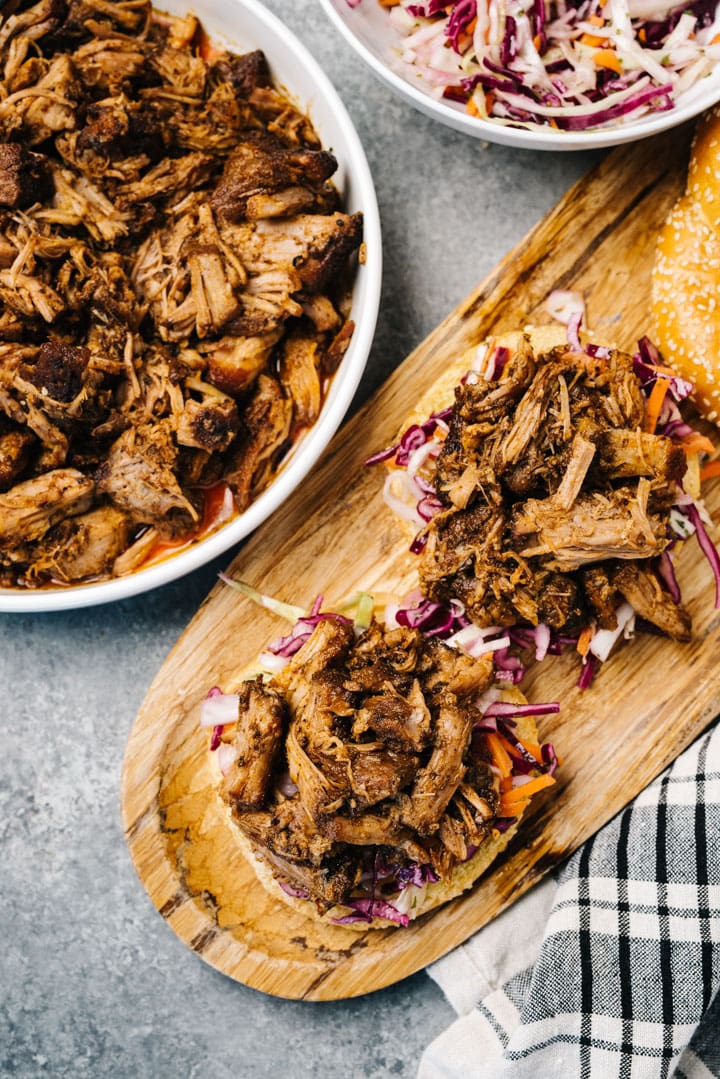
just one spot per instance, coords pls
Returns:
(174, 282)
(362, 745)
(554, 501)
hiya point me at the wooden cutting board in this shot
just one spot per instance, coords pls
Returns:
(334, 536)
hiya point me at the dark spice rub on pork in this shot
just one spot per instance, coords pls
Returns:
(175, 268)
(361, 752)
(553, 500)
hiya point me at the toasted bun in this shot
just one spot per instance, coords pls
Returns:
(686, 275)
(430, 897)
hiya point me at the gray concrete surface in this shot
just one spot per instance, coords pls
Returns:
(92, 982)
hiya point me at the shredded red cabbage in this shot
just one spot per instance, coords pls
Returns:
(216, 737)
(415, 874)
(645, 363)
(302, 631)
(588, 671)
(412, 439)
(706, 545)
(432, 619)
(598, 352)
(501, 824)
(508, 667)
(666, 572)
(550, 758)
(506, 708)
(367, 909)
(425, 11)
(497, 363)
(429, 506)
(463, 13)
(660, 97)
(419, 543)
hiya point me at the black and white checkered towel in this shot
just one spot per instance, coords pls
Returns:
(610, 971)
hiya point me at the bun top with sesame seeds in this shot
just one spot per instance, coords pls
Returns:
(686, 275)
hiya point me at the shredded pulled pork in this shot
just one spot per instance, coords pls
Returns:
(174, 281)
(553, 500)
(361, 749)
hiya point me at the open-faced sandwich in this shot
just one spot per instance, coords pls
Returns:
(545, 481)
(376, 771)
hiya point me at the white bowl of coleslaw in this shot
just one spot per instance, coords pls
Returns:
(553, 75)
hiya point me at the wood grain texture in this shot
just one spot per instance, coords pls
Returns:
(334, 536)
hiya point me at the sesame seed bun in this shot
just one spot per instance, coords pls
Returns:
(686, 274)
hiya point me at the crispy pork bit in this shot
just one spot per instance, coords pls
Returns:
(24, 177)
(377, 745)
(260, 169)
(173, 264)
(58, 371)
(547, 482)
(210, 424)
(16, 444)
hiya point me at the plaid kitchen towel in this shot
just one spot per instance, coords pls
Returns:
(611, 970)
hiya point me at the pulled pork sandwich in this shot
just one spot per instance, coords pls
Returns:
(174, 285)
(377, 772)
(545, 482)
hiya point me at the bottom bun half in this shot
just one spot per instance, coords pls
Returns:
(423, 900)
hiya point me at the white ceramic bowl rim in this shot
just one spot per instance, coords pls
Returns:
(366, 300)
(698, 98)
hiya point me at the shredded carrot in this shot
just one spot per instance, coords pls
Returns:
(654, 403)
(697, 443)
(715, 40)
(513, 809)
(553, 122)
(506, 784)
(537, 42)
(501, 757)
(609, 59)
(593, 40)
(642, 36)
(472, 108)
(532, 749)
(470, 28)
(521, 794)
(709, 470)
(583, 645)
(596, 20)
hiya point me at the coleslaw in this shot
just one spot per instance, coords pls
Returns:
(574, 65)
